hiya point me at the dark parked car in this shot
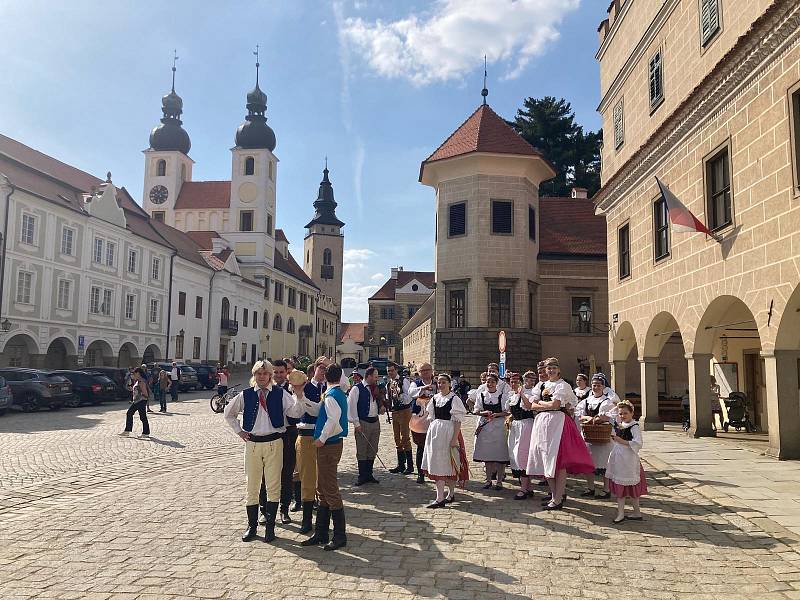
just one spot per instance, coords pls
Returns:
(88, 388)
(207, 376)
(33, 389)
(5, 396)
(117, 375)
(188, 375)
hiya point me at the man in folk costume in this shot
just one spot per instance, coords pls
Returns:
(397, 388)
(363, 412)
(421, 391)
(265, 408)
(313, 392)
(282, 370)
(330, 430)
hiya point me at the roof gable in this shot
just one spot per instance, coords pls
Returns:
(204, 194)
(388, 290)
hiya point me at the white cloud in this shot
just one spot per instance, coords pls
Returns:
(451, 39)
(358, 254)
(378, 276)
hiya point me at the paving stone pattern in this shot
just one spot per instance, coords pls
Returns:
(86, 514)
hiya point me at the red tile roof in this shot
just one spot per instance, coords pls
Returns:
(387, 290)
(203, 238)
(280, 236)
(204, 194)
(353, 331)
(569, 227)
(290, 267)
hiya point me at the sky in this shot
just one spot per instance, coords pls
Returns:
(375, 86)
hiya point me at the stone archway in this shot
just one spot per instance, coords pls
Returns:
(663, 371)
(151, 354)
(60, 354)
(128, 356)
(20, 350)
(99, 354)
(783, 383)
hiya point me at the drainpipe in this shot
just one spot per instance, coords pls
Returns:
(208, 321)
(4, 236)
(169, 300)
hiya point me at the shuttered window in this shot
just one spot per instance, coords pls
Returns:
(619, 124)
(660, 228)
(502, 222)
(532, 222)
(656, 80)
(709, 20)
(458, 220)
(624, 250)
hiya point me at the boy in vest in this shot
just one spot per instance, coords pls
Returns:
(363, 415)
(265, 409)
(329, 431)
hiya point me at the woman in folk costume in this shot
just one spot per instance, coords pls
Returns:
(597, 408)
(519, 432)
(556, 444)
(582, 389)
(625, 474)
(490, 445)
(445, 459)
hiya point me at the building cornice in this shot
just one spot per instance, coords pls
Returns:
(772, 34)
(613, 31)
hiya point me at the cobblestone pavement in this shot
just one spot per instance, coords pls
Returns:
(87, 514)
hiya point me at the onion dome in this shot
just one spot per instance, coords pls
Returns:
(254, 133)
(170, 135)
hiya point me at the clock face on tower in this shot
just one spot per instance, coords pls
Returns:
(159, 194)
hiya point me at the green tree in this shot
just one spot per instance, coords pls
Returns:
(549, 125)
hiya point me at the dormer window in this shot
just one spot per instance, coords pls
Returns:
(249, 165)
(161, 168)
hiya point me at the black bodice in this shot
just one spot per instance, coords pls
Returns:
(443, 412)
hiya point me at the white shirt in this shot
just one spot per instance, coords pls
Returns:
(223, 379)
(174, 374)
(415, 391)
(607, 407)
(559, 390)
(487, 395)
(333, 413)
(292, 407)
(352, 405)
(405, 398)
(457, 409)
(312, 408)
(501, 386)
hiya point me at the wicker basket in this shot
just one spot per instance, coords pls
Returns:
(597, 434)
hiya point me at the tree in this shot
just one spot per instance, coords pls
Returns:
(549, 125)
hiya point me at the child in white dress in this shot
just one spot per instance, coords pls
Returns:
(625, 474)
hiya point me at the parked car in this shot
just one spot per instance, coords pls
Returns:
(207, 376)
(188, 375)
(33, 388)
(5, 396)
(117, 376)
(88, 388)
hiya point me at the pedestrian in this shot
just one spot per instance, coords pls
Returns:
(397, 388)
(175, 378)
(595, 409)
(164, 385)
(280, 377)
(444, 460)
(222, 385)
(305, 486)
(519, 434)
(582, 389)
(139, 395)
(329, 433)
(490, 445)
(625, 474)
(421, 391)
(155, 386)
(265, 407)
(363, 412)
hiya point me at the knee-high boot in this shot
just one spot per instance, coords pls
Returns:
(322, 529)
(272, 512)
(420, 475)
(409, 461)
(339, 537)
(298, 501)
(308, 517)
(401, 458)
(252, 523)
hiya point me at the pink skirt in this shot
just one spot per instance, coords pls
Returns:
(573, 455)
(629, 491)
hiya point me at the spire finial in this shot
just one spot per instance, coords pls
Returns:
(326, 162)
(484, 91)
(257, 64)
(174, 60)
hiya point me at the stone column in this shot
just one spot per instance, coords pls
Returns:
(618, 377)
(649, 420)
(783, 403)
(700, 395)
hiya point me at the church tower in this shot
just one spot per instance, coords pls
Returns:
(253, 179)
(167, 163)
(323, 246)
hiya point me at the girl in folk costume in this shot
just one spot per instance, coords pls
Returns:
(556, 444)
(582, 390)
(625, 474)
(519, 433)
(445, 459)
(490, 445)
(595, 409)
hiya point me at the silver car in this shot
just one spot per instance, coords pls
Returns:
(5, 396)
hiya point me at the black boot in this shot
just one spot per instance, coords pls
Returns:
(272, 511)
(285, 520)
(409, 460)
(362, 473)
(298, 506)
(339, 537)
(262, 519)
(369, 471)
(401, 463)
(420, 475)
(321, 531)
(252, 523)
(308, 517)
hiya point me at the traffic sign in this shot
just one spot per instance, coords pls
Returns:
(502, 368)
(501, 341)
(81, 341)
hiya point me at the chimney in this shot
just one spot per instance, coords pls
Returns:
(218, 245)
(395, 271)
(579, 193)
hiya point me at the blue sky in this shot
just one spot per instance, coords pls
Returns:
(375, 86)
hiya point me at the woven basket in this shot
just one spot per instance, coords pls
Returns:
(597, 434)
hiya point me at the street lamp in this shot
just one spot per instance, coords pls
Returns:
(585, 314)
(5, 325)
(383, 341)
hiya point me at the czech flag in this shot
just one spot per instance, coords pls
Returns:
(681, 217)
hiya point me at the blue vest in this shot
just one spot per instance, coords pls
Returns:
(290, 421)
(337, 394)
(312, 393)
(274, 407)
(416, 408)
(364, 398)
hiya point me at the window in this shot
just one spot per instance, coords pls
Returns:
(244, 352)
(130, 302)
(133, 259)
(271, 171)
(532, 222)
(531, 310)
(28, 230)
(624, 250)
(64, 292)
(278, 292)
(326, 256)
(67, 241)
(312, 305)
(387, 312)
(269, 224)
(225, 311)
(255, 319)
(619, 124)
(106, 307)
(290, 325)
(576, 324)
(111, 250)
(178, 346)
(303, 301)
(24, 285)
(266, 288)
(656, 81)
(662, 381)
(794, 113)
(154, 310)
(661, 228)
(457, 224)
(244, 317)
(181, 303)
(196, 348)
(161, 168)
(277, 324)
(412, 310)
(326, 270)
(94, 300)
(156, 269)
(246, 220)
(97, 255)
(265, 320)
(198, 307)
(158, 215)
(291, 297)
(502, 211)
(457, 312)
(500, 307)
(709, 20)
(249, 165)
(718, 186)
